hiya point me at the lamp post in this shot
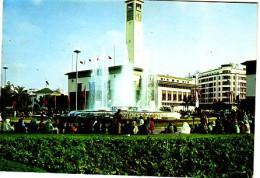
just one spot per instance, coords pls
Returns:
(77, 52)
(196, 92)
(5, 68)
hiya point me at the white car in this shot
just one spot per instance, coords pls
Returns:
(74, 113)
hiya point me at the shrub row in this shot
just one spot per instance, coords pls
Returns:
(228, 156)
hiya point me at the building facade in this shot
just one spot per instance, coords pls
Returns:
(250, 78)
(225, 84)
(165, 91)
(249, 103)
(175, 92)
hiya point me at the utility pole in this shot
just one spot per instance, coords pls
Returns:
(77, 52)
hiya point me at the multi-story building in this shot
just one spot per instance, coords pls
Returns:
(226, 83)
(250, 85)
(175, 91)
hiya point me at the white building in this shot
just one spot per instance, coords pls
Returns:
(175, 92)
(225, 84)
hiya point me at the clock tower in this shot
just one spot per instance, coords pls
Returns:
(134, 31)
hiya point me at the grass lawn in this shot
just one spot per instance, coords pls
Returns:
(104, 136)
(12, 166)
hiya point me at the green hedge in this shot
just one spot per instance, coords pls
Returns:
(217, 156)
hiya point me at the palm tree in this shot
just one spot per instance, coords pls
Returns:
(7, 94)
(21, 98)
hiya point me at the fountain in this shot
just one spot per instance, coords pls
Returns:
(118, 90)
(98, 99)
(148, 91)
(123, 85)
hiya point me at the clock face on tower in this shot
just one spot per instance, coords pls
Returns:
(130, 15)
(138, 16)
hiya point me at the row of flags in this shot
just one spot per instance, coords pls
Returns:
(83, 62)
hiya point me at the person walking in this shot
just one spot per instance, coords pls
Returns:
(118, 118)
(151, 125)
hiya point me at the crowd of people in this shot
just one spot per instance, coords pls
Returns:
(97, 126)
(235, 122)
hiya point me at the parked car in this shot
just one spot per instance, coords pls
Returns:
(74, 114)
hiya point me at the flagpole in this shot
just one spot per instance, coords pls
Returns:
(77, 52)
(85, 102)
(69, 101)
(55, 102)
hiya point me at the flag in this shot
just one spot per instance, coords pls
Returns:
(47, 82)
(84, 92)
(109, 57)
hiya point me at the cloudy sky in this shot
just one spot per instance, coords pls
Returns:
(39, 36)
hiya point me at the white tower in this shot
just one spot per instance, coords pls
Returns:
(134, 31)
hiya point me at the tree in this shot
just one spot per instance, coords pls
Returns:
(21, 98)
(7, 94)
(15, 97)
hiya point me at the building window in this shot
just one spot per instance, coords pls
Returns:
(174, 96)
(163, 95)
(180, 97)
(226, 77)
(226, 89)
(226, 71)
(169, 95)
(225, 83)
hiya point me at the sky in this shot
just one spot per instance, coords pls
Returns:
(39, 37)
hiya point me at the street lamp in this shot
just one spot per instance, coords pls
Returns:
(5, 68)
(77, 52)
(196, 92)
